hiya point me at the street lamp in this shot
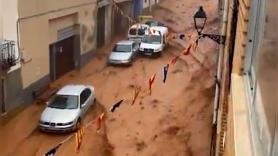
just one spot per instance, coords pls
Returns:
(200, 19)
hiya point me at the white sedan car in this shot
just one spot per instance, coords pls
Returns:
(66, 110)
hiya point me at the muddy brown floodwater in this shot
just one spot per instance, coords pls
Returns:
(174, 121)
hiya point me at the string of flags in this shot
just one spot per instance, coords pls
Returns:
(99, 119)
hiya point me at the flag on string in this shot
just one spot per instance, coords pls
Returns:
(195, 44)
(98, 122)
(165, 72)
(151, 81)
(52, 151)
(174, 60)
(78, 140)
(116, 105)
(187, 50)
(136, 93)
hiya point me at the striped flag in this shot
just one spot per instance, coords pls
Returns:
(151, 81)
(174, 60)
(187, 50)
(78, 140)
(99, 121)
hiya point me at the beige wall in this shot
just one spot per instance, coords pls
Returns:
(8, 19)
(39, 23)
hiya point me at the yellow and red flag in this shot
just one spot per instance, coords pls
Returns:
(99, 120)
(151, 81)
(187, 50)
(174, 60)
(78, 140)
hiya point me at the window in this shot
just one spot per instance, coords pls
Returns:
(84, 96)
(152, 39)
(260, 75)
(132, 31)
(141, 32)
(64, 102)
(122, 48)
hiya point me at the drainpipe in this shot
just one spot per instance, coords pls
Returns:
(3, 102)
(150, 6)
(220, 61)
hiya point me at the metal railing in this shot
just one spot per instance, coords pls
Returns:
(8, 57)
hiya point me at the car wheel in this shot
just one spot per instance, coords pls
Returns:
(78, 125)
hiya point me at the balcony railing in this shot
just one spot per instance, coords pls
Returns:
(8, 57)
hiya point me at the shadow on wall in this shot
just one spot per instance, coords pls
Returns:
(13, 90)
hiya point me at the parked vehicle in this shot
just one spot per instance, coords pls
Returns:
(154, 41)
(123, 52)
(152, 23)
(65, 111)
(137, 31)
(144, 18)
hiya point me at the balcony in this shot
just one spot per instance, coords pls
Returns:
(8, 57)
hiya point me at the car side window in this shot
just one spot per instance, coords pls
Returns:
(85, 95)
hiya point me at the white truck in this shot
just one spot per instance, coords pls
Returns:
(137, 31)
(154, 41)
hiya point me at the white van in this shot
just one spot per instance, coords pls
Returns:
(137, 31)
(154, 41)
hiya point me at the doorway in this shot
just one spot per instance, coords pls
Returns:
(62, 57)
(100, 27)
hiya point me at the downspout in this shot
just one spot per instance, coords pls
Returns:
(218, 79)
(3, 101)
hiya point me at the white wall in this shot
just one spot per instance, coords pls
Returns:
(8, 24)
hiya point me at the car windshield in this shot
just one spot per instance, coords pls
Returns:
(154, 23)
(64, 102)
(122, 48)
(152, 39)
(151, 23)
(141, 32)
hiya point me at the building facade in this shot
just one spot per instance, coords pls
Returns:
(149, 3)
(9, 54)
(249, 80)
(51, 38)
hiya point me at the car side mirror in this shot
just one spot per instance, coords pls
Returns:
(82, 105)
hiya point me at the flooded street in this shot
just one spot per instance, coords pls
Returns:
(174, 121)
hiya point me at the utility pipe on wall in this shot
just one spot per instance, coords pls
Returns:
(220, 61)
